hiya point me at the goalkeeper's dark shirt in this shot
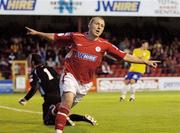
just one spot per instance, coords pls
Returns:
(46, 79)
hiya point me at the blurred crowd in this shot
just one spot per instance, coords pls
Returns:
(163, 47)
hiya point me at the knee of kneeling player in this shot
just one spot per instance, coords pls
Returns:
(49, 122)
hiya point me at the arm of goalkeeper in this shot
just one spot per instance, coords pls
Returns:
(28, 96)
(23, 101)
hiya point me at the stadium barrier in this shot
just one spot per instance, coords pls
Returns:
(6, 86)
(145, 84)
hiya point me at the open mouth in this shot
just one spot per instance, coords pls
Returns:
(97, 31)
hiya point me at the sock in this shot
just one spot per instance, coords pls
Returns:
(76, 117)
(61, 116)
(133, 90)
(124, 91)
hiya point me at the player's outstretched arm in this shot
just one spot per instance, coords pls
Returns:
(48, 36)
(134, 59)
(28, 96)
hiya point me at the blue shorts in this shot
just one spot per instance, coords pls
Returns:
(133, 75)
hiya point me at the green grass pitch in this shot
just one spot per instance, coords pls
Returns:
(152, 112)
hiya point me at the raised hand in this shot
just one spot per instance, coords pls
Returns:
(152, 63)
(31, 31)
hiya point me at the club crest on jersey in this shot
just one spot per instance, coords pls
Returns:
(85, 56)
(98, 49)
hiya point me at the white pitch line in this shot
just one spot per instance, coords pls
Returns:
(20, 110)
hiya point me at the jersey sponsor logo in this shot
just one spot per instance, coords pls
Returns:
(98, 49)
(17, 4)
(85, 56)
(117, 6)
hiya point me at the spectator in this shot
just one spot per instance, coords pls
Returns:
(104, 69)
(124, 44)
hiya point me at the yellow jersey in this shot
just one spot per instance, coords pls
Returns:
(144, 54)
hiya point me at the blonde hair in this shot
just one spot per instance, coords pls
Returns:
(93, 18)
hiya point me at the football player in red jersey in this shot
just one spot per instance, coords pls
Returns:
(46, 80)
(81, 62)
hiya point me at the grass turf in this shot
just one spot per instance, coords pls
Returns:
(152, 112)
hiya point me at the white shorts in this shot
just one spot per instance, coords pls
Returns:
(68, 83)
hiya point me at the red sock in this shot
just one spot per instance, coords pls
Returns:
(60, 120)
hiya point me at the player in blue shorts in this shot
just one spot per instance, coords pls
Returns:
(135, 71)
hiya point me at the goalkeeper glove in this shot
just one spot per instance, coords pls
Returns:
(23, 101)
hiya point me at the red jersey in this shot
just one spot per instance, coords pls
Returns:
(85, 55)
